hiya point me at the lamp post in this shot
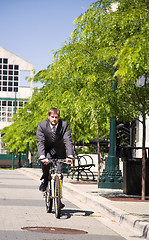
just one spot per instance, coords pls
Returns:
(26, 164)
(15, 103)
(111, 176)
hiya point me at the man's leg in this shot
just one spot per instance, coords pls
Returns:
(45, 176)
(59, 170)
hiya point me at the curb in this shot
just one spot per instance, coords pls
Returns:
(104, 205)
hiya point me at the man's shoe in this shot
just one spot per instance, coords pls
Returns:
(62, 205)
(42, 187)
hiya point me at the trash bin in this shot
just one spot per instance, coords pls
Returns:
(132, 176)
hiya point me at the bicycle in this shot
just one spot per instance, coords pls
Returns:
(54, 189)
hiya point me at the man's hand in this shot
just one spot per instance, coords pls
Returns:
(45, 161)
(69, 159)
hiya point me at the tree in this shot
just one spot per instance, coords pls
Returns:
(121, 41)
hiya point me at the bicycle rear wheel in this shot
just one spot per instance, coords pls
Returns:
(48, 199)
(57, 199)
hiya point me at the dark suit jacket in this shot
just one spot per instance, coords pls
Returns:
(63, 143)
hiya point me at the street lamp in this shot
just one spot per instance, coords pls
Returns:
(111, 176)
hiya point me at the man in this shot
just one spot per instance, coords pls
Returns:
(53, 141)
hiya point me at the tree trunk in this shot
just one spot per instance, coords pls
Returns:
(98, 151)
(143, 158)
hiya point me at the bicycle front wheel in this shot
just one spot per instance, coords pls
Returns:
(57, 199)
(48, 199)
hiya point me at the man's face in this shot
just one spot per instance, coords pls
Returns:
(53, 119)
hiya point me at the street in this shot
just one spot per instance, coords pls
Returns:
(22, 206)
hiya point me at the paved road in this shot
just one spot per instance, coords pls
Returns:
(22, 205)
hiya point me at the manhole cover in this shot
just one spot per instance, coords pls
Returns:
(54, 230)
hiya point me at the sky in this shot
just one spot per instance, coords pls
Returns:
(32, 29)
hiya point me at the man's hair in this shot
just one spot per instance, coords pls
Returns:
(54, 111)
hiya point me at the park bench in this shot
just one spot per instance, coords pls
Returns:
(82, 166)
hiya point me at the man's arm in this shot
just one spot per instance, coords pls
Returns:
(68, 144)
(40, 142)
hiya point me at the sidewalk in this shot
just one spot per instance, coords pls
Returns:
(126, 210)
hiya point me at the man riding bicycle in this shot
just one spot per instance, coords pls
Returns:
(54, 141)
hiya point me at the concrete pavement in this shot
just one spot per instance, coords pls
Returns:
(23, 215)
(132, 214)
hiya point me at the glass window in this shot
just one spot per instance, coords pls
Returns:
(16, 78)
(3, 103)
(14, 103)
(10, 78)
(10, 66)
(3, 113)
(4, 66)
(4, 77)
(5, 89)
(0, 77)
(0, 60)
(5, 72)
(15, 89)
(3, 119)
(9, 89)
(10, 72)
(9, 114)
(5, 60)
(0, 66)
(15, 83)
(16, 73)
(16, 67)
(10, 109)
(20, 104)
(0, 82)
(9, 119)
(5, 83)
(9, 103)
(0, 72)
(9, 83)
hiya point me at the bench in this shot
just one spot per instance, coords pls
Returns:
(81, 164)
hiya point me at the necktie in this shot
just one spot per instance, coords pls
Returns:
(53, 129)
(53, 134)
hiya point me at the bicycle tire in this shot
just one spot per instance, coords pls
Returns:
(57, 199)
(49, 199)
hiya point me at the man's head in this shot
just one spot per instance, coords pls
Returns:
(54, 116)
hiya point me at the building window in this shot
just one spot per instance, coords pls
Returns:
(3, 103)
(10, 66)
(5, 60)
(4, 77)
(16, 73)
(16, 78)
(9, 83)
(10, 78)
(5, 72)
(10, 72)
(9, 89)
(4, 66)
(16, 67)
(15, 83)
(15, 89)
